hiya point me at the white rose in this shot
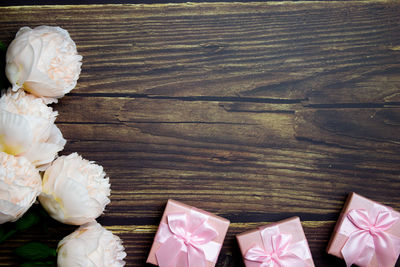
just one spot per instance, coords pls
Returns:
(27, 128)
(43, 61)
(91, 246)
(75, 190)
(20, 184)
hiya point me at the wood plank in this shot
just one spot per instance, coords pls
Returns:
(138, 238)
(293, 50)
(163, 167)
(253, 111)
(96, 2)
(377, 128)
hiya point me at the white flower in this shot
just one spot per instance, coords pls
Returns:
(43, 61)
(75, 191)
(27, 128)
(91, 246)
(20, 184)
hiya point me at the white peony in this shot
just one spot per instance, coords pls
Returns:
(43, 61)
(27, 128)
(75, 190)
(91, 245)
(20, 184)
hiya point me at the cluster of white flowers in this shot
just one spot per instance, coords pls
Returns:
(42, 65)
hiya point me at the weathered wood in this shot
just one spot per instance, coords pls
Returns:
(138, 239)
(375, 128)
(254, 111)
(314, 51)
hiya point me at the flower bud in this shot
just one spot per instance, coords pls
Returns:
(75, 190)
(91, 245)
(20, 184)
(43, 61)
(27, 128)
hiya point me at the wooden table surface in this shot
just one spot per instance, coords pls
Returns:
(254, 111)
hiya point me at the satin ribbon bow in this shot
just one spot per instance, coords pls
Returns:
(369, 238)
(279, 251)
(186, 239)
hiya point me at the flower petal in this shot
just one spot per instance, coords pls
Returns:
(41, 154)
(15, 133)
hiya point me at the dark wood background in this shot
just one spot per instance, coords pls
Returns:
(253, 111)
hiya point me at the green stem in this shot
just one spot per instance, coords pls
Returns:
(7, 235)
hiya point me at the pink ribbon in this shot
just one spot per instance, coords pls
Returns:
(186, 241)
(278, 250)
(367, 236)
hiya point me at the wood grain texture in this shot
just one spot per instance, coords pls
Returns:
(253, 111)
(96, 2)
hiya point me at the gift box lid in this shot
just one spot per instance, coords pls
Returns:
(356, 202)
(220, 224)
(290, 226)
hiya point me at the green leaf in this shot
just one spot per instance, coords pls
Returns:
(43, 213)
(7, 235)
(3, 79)
(2, 231)
(38, 264)
(35, 251)
(3, 47)
(28, 220)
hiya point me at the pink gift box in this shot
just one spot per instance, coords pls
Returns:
(349, 230)
(168, 237)
(259, 243)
